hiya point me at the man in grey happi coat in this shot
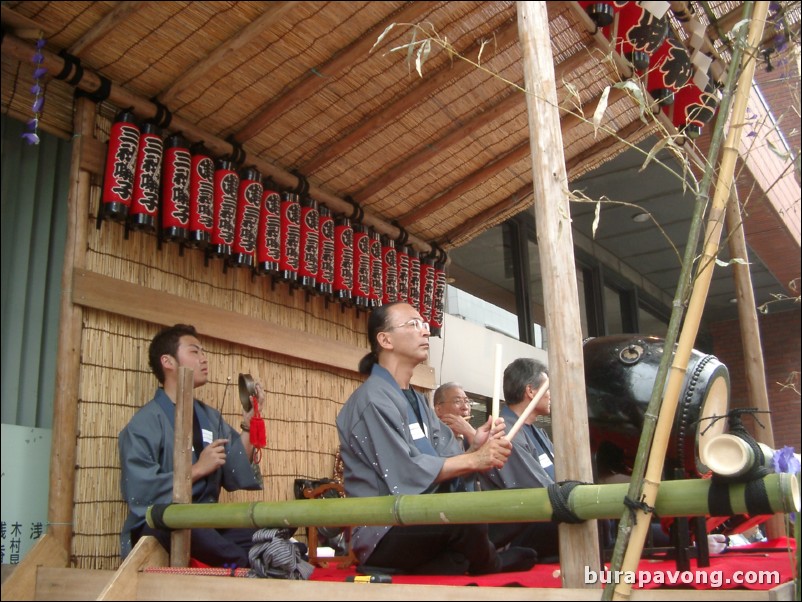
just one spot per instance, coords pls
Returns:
(393, 444)
(221, 456)
(531, 463)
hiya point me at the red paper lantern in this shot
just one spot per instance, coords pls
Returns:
(669, 70)
(602, 13)
(343, 259)
(268, 238)
(693, 108)
(402, 256)
(145, 200)
(361, 292)
(439, 303)
(376, 269)
(201, 197)
(426, 287)
(290, 237)
(389, 270)
(175, 189)
(413, 297)
(121, 156)
(326, 251)
(310, 243)
(226, 189)
(249, 201)
(639, 33)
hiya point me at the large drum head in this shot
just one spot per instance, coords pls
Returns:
(620, 372)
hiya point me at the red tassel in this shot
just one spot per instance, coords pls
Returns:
(258, 432)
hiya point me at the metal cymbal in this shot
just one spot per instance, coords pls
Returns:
(247, 389)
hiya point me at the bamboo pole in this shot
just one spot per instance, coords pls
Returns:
(182, 463)
(677, 314)
(754, 367)
(651, 482)
(579, 545)
(687, 497)
(65, 404)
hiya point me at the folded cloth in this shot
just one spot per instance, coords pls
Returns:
(274, 555)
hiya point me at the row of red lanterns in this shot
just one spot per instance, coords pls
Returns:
(187, 196)
(645, 40)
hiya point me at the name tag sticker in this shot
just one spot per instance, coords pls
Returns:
(416, 431)
(207, 436)
(545, 461)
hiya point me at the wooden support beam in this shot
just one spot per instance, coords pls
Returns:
(65, 405)
(106, 25)
(21, 585)
(579, 544)
(180, 539)
(125, 584)
(197, 72)
(409, 13)
(418, 94)
(157, 307)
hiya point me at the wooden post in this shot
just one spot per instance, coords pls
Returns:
(65, 403)
(754, 368)
(579, 545)
(182, 463)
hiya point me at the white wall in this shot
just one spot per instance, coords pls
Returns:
(466, 353)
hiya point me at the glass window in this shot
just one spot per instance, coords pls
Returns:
(612, 311)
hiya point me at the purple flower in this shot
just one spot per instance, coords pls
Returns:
(38, 57)
(37, 104)
(785, 460)
(40, 43)
(33, 124)
(36, 88)
(39, 73)
(30, 138)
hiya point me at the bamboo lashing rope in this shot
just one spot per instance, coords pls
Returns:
(529, 409)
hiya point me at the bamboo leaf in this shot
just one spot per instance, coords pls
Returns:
(482, 45)
(780, 153)
(600, 109)
(637, 93)
(381, 37)
(596, 217)
(724, 264)
(655, 149)
(409, 50)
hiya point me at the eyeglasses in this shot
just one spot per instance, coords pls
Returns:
(417, 323)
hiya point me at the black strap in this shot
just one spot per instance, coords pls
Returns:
(756, 498)
(237, 154)
(157, 515)
(558, 496)
(718, 499)
(71, 63)
(102, 93)
(163, 115)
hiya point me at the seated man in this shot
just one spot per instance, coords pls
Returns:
(531, 463)
(392, 444)
(221, 455)
(453, 407)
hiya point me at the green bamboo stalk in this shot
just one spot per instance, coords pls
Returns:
(677, 314)
(676, 498)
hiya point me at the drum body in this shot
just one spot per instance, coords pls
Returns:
(620, 372)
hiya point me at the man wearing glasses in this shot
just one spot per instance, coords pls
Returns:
(453, 407)
(393, 444)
